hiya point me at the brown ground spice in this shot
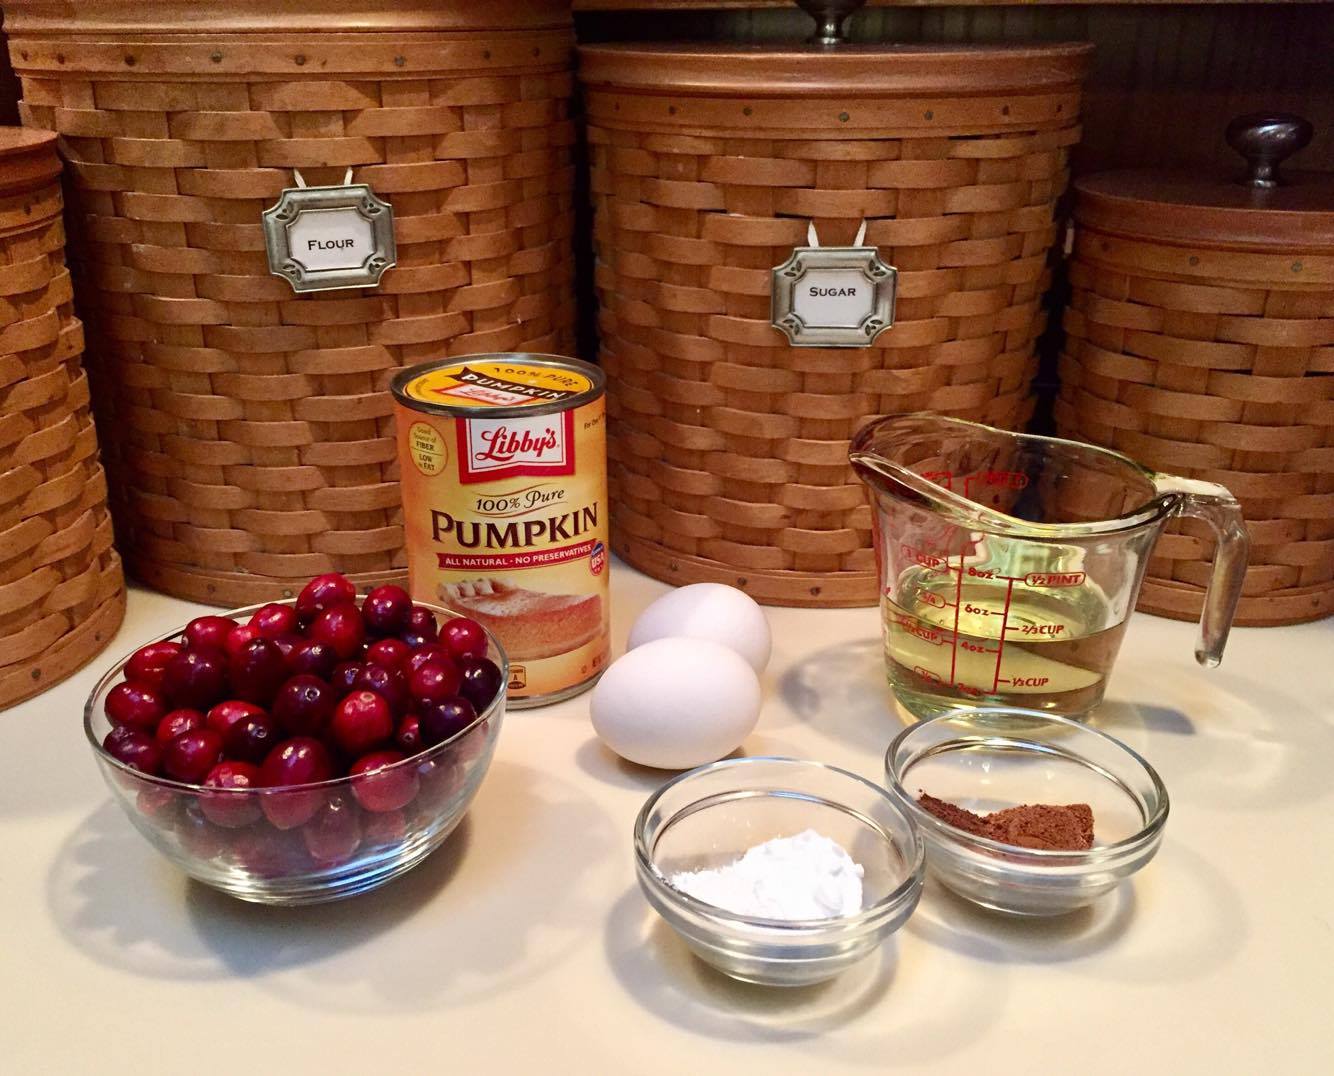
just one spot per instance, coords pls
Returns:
(1065, 828)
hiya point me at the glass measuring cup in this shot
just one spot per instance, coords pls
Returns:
(1009, 562)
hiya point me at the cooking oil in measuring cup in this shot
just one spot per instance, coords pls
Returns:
(1009, 562)
(960, 634)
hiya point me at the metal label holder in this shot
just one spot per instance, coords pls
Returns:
(833, 296)
(351, 211)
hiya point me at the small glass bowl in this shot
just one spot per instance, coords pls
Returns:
(709, 817)
(342, 850)
(988, 758)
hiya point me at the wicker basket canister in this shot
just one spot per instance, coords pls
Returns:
(247, 429)
(62, 594)
(1200, 340)
(728, 446)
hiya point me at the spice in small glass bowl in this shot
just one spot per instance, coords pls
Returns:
(990, 763)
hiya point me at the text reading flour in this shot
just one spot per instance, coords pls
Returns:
(807, 876)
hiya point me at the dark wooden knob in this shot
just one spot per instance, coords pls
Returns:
(829, 16)
(1266, 140)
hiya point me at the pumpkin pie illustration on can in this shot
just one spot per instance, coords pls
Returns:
(503, 464)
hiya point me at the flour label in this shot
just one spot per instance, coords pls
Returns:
(328, 238)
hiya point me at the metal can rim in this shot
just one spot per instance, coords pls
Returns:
(595, 374)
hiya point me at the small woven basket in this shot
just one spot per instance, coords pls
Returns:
(247, 429)
(728, 447)
(1200, 340)
(62, 595)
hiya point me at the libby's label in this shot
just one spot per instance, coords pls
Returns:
(506, 522)
(491, 448)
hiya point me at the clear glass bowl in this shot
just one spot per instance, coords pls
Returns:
(251, 859)
(709, 817)
(987, 759)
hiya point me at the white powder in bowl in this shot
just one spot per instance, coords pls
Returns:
(807, 876)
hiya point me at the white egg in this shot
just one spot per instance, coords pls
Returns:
(676, 703)
(708, 611)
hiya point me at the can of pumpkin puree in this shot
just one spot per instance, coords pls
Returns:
(503, 464)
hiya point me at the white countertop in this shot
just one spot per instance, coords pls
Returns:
(523, 945)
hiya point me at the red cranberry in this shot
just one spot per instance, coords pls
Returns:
(287, 645)
(465, 638)
(441, 781)
(134, 748)
(442, 720)
(195, 678)
(231, 809)
(324, 592)
(304, 705)
(426, 654)
(421, 622)
(298, 761)
(363, 720)
(334, 833)
(341, 629)
(158, 804)
(222, 717)
(238, 637)
(252, 738)
(146, 664)
(388, 653)
(199, 837)
(258, 670)
(308, 656)
(431, 683)
(176, 722)
(301, 760)
(386, 610)
(208, 632)
(344, 677)
(265, 853)
(379, 788)
(136, 705)
(408, 735)
(481, 681)
(275, 620)
(191, 755)
(389, 684)
(384, 828)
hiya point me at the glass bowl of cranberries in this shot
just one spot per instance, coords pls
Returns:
(305, 750)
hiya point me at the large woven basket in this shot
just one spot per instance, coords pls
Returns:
(1200, 340)
(728, 446)
(247, 430)
(62, 595)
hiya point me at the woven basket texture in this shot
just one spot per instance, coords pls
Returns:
(728, 448)
(1217, 365)
(62, 594)
(247, 430)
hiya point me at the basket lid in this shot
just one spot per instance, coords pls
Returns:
(790, 71)
(28, 159)
(1257, 206)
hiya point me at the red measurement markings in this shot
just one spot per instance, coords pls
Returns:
(935, 562)
(931, 598)
(1027, 681)
(1005, 616)
(1054, 579)
(940, 478)
(927, 675)
(1049, 630)
(958, 603)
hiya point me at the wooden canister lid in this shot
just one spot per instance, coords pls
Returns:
(1283, 211)
(796, 71)
(28, 159)
(282, 16)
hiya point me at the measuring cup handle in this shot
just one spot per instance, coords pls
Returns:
(1218, 508)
